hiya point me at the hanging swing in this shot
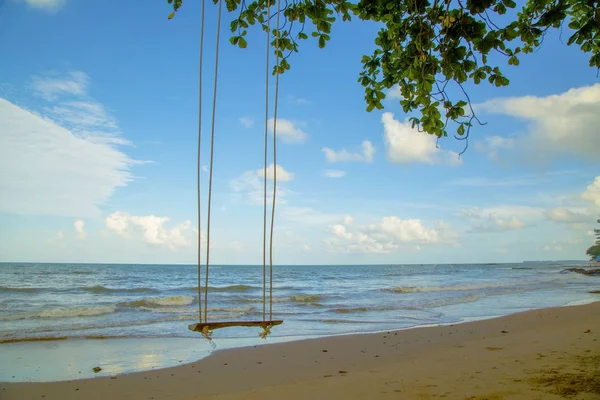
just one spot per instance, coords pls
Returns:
(204, 326)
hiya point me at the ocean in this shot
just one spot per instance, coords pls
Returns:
(110, 302)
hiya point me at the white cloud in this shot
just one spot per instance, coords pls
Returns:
(406, 145)
(251, 183)
(592, 192)
(334, 173)
(287, 131)
(247, 122)
(72, 107)
(387, 235)
(79, 226)
(50, 87)
(87, 119)
(562, 214)
(565, 123)
(151, 228)
(500, 218)
(339, 230)
(506, 224)
(408, 230)
(365, 155)
(282, 174)
(50, 6)
(49, 169)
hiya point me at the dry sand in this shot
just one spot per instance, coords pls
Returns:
(541, 354)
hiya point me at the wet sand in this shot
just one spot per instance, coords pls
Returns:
(542, 354)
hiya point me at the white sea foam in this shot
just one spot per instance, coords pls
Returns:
(160, 301)
(61, 312)
(77, 311)
(462, 288)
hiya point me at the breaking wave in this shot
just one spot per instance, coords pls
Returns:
(229, 288)
(306, 299)
(348, 310)
(104, 289)
(62, 312)
(171, 301)
(460, 288)
(6, 289)
(98, 289)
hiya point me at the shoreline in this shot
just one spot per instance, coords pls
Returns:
(316, 364)
(124, 359)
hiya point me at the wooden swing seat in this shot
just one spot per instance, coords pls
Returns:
(201, 326)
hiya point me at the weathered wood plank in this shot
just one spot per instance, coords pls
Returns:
(198, 327)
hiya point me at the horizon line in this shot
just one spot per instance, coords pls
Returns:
(289, 265)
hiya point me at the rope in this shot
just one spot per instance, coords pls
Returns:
(206, 332)
(212, 148)
(275, 168)
(199, 165)
(265, 167)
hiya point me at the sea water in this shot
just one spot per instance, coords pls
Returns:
(120, 304)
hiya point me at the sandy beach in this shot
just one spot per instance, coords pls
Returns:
(541, 354)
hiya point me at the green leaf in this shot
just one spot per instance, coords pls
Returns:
(242, 43)
(321, 41)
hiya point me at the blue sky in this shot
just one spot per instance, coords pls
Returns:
(98, 125)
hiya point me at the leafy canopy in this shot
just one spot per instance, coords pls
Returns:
(424, 46)
(594, 250)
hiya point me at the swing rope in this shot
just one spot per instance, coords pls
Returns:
(199, 164)
(274, 163)
(268, 37)
(205, 329)
(212, 150)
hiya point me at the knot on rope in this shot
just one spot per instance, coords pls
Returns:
(206, 332)
(266, 331)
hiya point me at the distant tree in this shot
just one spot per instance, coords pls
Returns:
(594, 250)
(423, 46)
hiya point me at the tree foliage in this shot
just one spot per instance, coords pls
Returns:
(425, 45)
(594, 250)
